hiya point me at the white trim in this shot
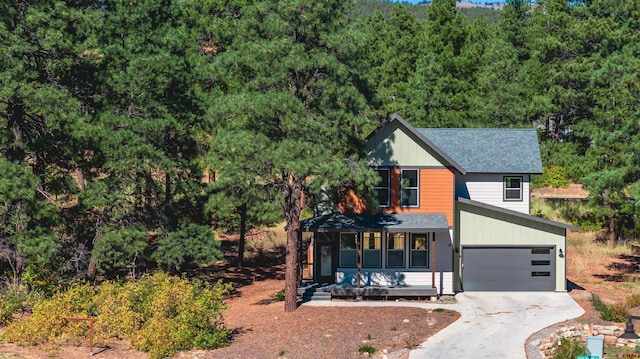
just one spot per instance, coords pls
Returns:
(505, 188)
(416, 188)
(428, 239)
(388, 187)
(404, 250)
(354, 250)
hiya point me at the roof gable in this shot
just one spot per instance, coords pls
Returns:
(468, 150)
(397, 143)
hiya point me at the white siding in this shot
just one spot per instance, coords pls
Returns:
(390, 277)
(489, 189)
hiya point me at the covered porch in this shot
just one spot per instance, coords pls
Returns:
(383, 255)
(324, 291)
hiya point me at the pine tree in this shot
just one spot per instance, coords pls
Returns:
(287, 108)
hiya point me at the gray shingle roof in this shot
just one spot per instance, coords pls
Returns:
(377, 222)
(489, 150)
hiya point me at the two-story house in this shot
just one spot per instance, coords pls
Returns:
(454, 216)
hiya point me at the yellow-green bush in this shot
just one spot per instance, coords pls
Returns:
(48, 323)
(160, 314)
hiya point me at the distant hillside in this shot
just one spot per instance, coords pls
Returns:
(365, 8)
(469, 5)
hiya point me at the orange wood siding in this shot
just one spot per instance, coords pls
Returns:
(394, 203)
(436, 193)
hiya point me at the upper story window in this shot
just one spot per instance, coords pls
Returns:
(513, 188)
(409, 189)
(383, 187)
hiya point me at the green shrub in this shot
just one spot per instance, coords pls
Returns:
(569, 349)
(616, 313)
(555, 176)
(597, 303)
(279, 297)
(160, 314)
(366, 348)
(14, 299)
(192, 243)
(610, 312)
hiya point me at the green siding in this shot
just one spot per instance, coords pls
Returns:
(393, 145)
(482, 226)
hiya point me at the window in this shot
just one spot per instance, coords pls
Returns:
(513, 188)
(371, 250)
(409, 188)
(540, 250)
(541, 274)
(420, 249)
(383, 188)
(348, 249)
(395, 250)
(540, 263)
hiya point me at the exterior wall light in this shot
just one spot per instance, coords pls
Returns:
(560, 254)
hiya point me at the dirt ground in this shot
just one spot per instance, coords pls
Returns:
(612, 278)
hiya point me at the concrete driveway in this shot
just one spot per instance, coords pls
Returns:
(497, 324)
(491, 325)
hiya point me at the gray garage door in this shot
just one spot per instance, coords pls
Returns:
(508, 268)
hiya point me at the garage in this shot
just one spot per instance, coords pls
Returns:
(500, 268)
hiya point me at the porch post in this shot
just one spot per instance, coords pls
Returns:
(299, 258)
(433, 260)
(358, 258)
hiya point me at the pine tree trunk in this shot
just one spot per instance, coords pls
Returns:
(243, 231)
(80, 179)
(92, 270)
(292, 203)
(612, 230)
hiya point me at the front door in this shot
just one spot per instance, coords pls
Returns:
(325, 258)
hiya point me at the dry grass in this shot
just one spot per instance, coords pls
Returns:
(587, 249)
(265, 240)
(612, 272)
(558, 209)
